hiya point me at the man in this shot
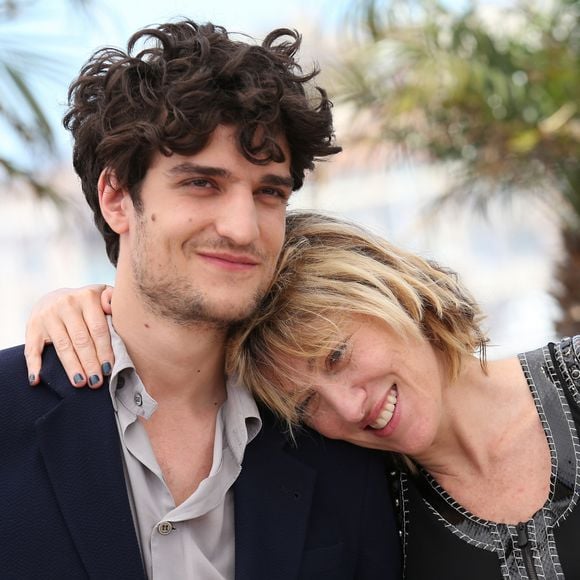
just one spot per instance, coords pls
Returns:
(188, 147)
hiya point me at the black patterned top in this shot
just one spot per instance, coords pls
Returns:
(442, 540)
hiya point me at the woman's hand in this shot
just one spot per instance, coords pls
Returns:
(74, 321)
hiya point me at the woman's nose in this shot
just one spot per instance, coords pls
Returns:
(347, 402)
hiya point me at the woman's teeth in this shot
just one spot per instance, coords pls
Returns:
(386, 413)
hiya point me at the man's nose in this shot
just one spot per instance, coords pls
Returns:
(238, 218)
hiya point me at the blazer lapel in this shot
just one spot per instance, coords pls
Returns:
(79, 443)
(272, 499)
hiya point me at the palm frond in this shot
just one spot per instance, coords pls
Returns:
(43, 131)
(39, 187)
(23, 116)
(449, 86)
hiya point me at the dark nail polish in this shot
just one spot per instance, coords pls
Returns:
(94, 379)
(107, 368)
(31, 379)
(78, 378)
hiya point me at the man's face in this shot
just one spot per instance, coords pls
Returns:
(204, 245)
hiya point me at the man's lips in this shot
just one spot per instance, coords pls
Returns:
(230, 260)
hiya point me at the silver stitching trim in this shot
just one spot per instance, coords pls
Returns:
(539, 565)
(490, 547)
(459, 508)
(564, 370)
(500, 551)
(544, 519)
(545, 425)
(548, 524)
(568, 358)
(404, 507)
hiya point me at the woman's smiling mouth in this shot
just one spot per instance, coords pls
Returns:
(386, 413)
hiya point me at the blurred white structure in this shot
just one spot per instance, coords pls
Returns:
(505, 260)
(40, 250)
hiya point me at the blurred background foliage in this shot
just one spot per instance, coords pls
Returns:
(490, 89)
(24, 119)
(493, 92)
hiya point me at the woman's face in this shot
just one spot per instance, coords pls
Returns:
(375, 389)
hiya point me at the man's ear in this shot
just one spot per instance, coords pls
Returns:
(115, 202)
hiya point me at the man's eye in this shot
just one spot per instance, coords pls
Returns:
(199, 182)
(275, 192)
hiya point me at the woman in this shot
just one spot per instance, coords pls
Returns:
(370, 344)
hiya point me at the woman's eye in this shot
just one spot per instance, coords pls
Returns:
(304, 408)
(335, 356)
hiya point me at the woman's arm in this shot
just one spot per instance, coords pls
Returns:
(74, 321)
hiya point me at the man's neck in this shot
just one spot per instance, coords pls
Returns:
(182, 368)
(177, 363)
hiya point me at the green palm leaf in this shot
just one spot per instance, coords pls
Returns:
(23, 116)
(500, 101)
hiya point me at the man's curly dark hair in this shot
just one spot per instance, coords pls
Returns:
(175, 84)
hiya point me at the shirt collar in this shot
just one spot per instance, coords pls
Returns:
(241, 417)
(125, 386)
(242, 420)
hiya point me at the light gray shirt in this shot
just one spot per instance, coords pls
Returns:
(194, 540)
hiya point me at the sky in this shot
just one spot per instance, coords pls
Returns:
(53, 29)
(59, 28)
(69, 35)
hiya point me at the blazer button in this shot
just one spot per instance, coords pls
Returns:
(165, 528)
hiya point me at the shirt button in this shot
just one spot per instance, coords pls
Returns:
(138, 399)
(165, 528)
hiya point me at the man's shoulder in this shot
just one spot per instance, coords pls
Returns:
(14, 385)
(311, 447)
(12, 353)
(13, 364)
(20, 404)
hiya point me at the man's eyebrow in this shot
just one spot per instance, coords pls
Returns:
(188, 168)
(281, 180)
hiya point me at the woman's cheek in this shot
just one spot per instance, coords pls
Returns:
(325, 425)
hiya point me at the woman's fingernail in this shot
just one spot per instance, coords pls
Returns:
(78, 379)
(94, 379)
(31, 379)
(107, 368)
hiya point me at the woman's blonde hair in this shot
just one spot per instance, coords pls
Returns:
(330, 269)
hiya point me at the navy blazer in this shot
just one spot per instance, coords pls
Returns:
(319, 509)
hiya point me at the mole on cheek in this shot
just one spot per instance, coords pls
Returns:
(153, 217)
